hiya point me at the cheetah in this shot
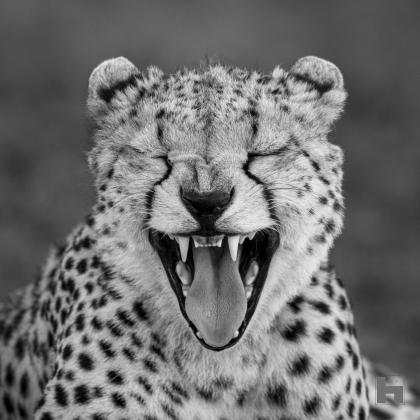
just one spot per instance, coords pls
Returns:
(199, 286)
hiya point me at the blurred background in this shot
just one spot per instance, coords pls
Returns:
(48, 49)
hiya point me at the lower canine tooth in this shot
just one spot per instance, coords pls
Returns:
(252, 273)
(183, 273)
(236, 334)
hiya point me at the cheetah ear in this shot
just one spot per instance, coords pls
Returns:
(106, 81)
(318, 83)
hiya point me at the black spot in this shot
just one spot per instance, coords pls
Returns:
(80, 322)
(323, 200)
(169, 411)
(85, 361)
(173, 397)
(311, 407)
(336, 402)
(324, 180)
(118, 400)
(68, 265)
(340, 324)
(330, 226)
(156, 350)
(129, 354)
(22, 411)
(325, 375)
(326, 335)
(362, 413)
(114, 377)
(81, 394)
(60, 395)
(300, 365)
(150, 365)
(139, 310)
(115, 330)
(356, 361)
(329, 290)
(294, 332)
(107, 349)
(124, 317)
(82, 266)
(350, 409)
(348, 385)
(9, 377)
(205, 394)
(342, 302)
(277, 395)
(321, 306)
(24, 385)
(296, 304)
(339, 362)
(67, 352)
(160, 114)
(96, 324)
(145, 384)
(358, 387)
(179, 390)
(8, 403)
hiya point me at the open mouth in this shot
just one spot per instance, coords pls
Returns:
(217, 279)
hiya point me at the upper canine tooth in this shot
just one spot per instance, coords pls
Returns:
(233, 246)
(184, 242)
(183, 273)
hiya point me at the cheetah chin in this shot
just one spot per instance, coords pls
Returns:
(218, 311)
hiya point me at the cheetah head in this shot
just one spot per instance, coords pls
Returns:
(227, 179)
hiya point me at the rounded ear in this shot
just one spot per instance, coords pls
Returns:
(106, 80)
(316, 87)
(321, 74)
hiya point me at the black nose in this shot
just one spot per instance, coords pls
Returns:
(206, 204)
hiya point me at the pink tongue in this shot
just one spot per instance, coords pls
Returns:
(216, 301)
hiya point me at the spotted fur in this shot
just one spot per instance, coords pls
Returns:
(100, 336)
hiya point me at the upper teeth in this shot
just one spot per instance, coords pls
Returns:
(205, 241)
(208, 241)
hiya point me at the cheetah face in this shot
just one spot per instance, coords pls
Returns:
(229, 176)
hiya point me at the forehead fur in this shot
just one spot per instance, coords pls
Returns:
(214, 100)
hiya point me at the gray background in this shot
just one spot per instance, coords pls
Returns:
(47, 50)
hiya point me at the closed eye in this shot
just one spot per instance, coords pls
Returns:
(128, 149)
(275, 152)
